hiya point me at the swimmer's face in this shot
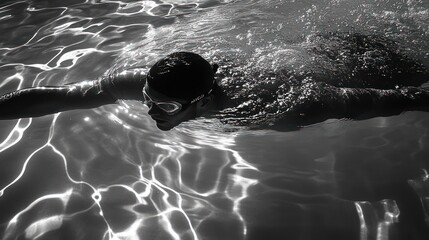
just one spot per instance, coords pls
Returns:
(166, 111)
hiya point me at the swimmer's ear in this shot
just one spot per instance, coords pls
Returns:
(215, 67)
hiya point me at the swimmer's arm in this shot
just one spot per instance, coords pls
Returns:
(321, 101)
(364, 103)
(368, 103)
(40, 101)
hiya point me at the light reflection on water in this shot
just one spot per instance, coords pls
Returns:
(160, 191)
(108, 173)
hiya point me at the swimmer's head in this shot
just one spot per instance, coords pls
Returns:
(178, 87)
(181, 75)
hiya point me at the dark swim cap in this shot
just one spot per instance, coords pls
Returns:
(181, 75)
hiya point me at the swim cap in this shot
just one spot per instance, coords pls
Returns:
(183, 75)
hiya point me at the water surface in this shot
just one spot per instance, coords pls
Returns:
(108, 173)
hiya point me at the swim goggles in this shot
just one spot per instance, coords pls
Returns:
(171, 107)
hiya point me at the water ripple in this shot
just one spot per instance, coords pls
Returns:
(108, 173)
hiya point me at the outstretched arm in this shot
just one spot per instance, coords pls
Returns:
(367, 103)
(318, 101)
(39, 101)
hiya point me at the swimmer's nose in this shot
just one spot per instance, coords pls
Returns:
(148, 103)
(153, 109)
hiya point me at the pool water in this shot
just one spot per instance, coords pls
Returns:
(109, 173)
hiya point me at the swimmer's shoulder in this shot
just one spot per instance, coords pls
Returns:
(125, 84)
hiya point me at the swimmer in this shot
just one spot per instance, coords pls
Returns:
(177, 88)
(183, 86)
